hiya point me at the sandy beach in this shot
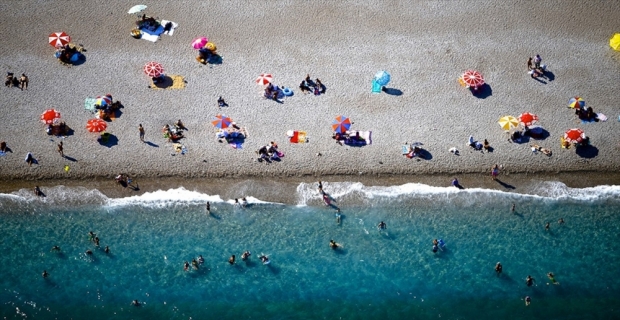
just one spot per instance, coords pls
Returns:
(424, 45)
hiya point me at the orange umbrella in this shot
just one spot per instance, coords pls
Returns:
(527, 119)
(574, 136)
(49, 116)
(96, 125)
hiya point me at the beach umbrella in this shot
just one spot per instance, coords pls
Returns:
(104, 100)
(382, 78)
(221, 121)
(614, 42)
(574, 135)
(576, 102)
(508, 122)
(264, 79)
(341, 124)
(199, 42)
(153, 69)
(472, 78)
(136, 9)
(527, 119)
(59, 39)
(96, 125)
(49, 115)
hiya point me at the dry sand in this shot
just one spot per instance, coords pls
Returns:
(425, 45)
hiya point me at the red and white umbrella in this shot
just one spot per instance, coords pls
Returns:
(49, 115)
(59, 39)
(574, 135)
(96, 125)
(264, 79)
(527, 119)
(153, 69)
(473, 78)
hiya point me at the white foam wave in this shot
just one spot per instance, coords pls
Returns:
(552, 190)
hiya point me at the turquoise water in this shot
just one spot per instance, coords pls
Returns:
(392, 274)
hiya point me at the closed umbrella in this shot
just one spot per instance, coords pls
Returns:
(264, 79)
(49, 115)
(59, 39)
(576, 102)
(153, 69)
(221, 121)
(136, 9)
(527, 119)
(96, 125)
(382, 78)
(341, 124)
(574, 136)
(199, 42)
(508, 122)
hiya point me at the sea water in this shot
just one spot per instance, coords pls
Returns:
(390, 274)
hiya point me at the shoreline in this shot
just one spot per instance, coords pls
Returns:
(284, 189)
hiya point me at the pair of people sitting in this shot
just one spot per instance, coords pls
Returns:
(477, 145)
(586, 114)
(172, 134)
(269, 152)
(272, 92)
(316, 87)
(535, 69)
(57, 129)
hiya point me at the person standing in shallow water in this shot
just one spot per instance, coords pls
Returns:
(547, 226)
(498, 268)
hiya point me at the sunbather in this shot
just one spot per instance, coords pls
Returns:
(545, 151)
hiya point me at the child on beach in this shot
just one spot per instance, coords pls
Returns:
(494, 172)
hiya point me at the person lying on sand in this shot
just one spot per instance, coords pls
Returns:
(545, 151)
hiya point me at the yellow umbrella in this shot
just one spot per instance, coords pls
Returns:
(614, 42)
(508, 122)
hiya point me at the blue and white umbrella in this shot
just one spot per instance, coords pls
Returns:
(382, 78)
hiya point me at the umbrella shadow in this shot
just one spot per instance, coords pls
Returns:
(425, 154)
(163, 82)
(483, 92)
(107, 139)
(80, 61)
(544, 134)
(392, 91)
(588, 151)
(505, 185)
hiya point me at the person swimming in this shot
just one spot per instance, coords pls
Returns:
(244, 202)
(435, 242)
(529, 281)
(264, 259)
(88, 252)
(498, 268)
(45, 274)
(231, 260)
(435, 248)
(552, 278)
(201, 260)
(245, 255)
(55, 249)
(237, 202)
(135, 303)
(91, 236)
(547, 226)
(333, 244)
(97, 241)
(195, 264)
(561, 221)
(382, 226)
(186, 266)
(528, 300)
(107, 249)
(208, 207)
(338, 215)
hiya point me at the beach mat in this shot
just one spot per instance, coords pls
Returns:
(174, 26)
(89, 104)
(298, 137)
(170, 82)
(365, 135)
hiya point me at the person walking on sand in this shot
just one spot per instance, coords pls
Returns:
(60, 149)
(494, 172)
(23, 82)
(141, 130)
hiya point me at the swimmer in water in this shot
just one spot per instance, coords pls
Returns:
(97, 241)
(338, 215)
(88, 252)
(231, 260)
(55, 249)
(264, 259)
(435, 248)
(552, 278)
(547, 226)
(201, 260)
(333, 244)
(237, 202)
(244, 202)
(435, 242)
(91, 236)
(513, 208)
(135, 303)
(186, 266)
(382, 226)
(107, 249)
(195, 264)
(245, 255)
(529, 281)
(208, 207)
(528, 300)
(45, 274)
(561, 221)
(498, 268)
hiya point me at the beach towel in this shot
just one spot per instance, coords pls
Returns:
(174, 26)
(89, 104)
(179, 148)
(601, 117)
(149, 37)
(170, 82)
(236, 145)
(405, 149)
(2, 154)
(376, 87)
(297, 137)
(366, 138)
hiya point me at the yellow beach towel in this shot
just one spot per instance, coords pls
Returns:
(170, 82)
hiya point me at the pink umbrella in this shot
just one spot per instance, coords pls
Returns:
(59, 39)
(199, 42)
(264, 79)
(153, 69)
(527, 119)
(473, 78)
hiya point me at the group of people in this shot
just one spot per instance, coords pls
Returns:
(269, 152)
(308, 86)
(272, 92)
(123, 179)
(230, 134)
(477, 145)
(11, 81)
(175, 132)
(68, 53)
(57, 129)
(535, 68)
(586, 114)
